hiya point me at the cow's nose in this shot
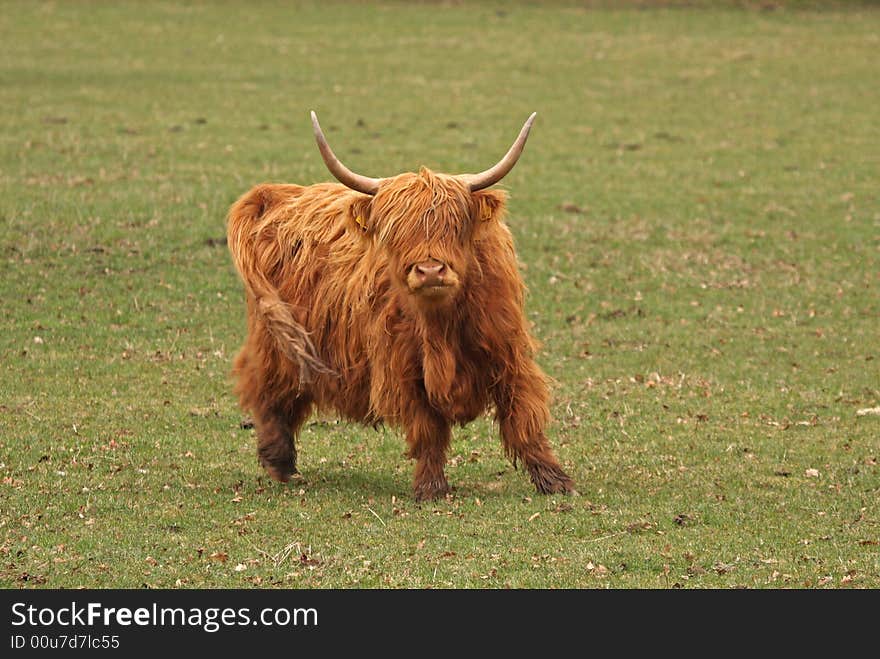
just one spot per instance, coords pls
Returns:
(430, 273)
(431, 269)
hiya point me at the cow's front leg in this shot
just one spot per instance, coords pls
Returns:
(428, 437)
(523, 413)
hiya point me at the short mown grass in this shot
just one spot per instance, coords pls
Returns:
(696, 213)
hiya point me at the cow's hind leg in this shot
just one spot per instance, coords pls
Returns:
(277, 427)
(428, 437)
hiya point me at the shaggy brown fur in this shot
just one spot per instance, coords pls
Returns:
(336, 320)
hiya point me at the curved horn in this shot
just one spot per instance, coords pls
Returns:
(499, 171)
(342, 173)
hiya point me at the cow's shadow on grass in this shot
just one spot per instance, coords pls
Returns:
(365, 484)
(353, 483)
(384, 485)
(323, 481)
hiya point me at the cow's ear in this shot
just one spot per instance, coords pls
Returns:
(359, 213)
(490, 204)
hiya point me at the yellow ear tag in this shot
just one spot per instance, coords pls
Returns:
(361, 223)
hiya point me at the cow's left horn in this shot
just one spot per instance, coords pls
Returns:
(499, 171)
(342, 173)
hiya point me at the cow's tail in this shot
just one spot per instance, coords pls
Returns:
(244, 227)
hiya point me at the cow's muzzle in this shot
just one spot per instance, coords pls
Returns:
(431, 278)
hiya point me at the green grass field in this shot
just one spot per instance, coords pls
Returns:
(698, 218)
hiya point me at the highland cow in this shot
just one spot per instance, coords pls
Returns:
(396, 301)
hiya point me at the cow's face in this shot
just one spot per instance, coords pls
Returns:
(427, 224)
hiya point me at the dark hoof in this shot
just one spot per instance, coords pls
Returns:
(280, 472)
(550, 479)
(430, 491)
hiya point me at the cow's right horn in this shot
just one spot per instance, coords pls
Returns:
(342, 173)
